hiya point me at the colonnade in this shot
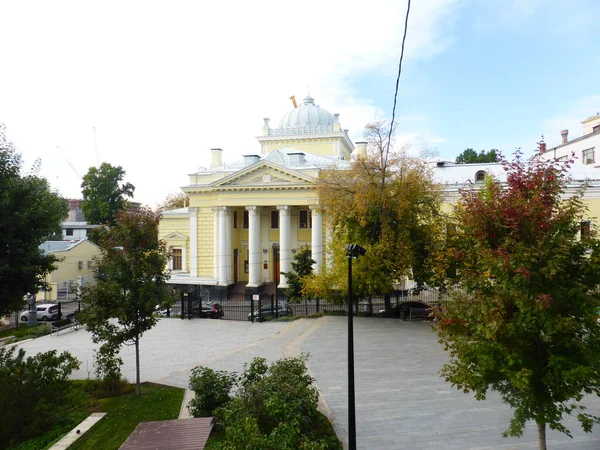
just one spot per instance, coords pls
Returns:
(223, 249)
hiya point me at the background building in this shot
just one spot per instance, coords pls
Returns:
(247, 219)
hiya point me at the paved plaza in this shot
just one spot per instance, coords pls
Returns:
(401, 402)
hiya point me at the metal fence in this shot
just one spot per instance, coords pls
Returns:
(240, 306)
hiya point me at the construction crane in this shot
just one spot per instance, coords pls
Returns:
(293, 99)
(68, 162)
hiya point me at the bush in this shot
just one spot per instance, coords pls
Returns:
(275, 408)
(211, 390)
(108, 368)
(34, 391)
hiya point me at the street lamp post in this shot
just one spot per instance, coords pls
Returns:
(352, 251)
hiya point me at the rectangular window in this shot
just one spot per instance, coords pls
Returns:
(235, 219)
(596, 129)
(177, 261)
(90, 264)
(245, 220)
(69, 231)
(275, 219)
(80, 265)
(305, 218)
(586, 228)
(588, 156)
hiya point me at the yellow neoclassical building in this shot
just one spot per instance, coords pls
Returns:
(247, 219)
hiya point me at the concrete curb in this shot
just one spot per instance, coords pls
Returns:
(78, 431)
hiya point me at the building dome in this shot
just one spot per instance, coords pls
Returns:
(308, 118)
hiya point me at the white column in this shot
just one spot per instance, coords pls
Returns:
(216, 248)
(285, 251)
(254, 247)
(193, 241)
(317, 238)
(223, 250)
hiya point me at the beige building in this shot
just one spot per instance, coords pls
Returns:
(247, 219)
(585, 148)
(75, 266)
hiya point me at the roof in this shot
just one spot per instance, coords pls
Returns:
(61, 246)
(282, 158)
(182, 434)
(307, 118)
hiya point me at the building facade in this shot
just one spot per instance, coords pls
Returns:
(247, 219)
(584, 148)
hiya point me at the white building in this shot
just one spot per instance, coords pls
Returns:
(584, 148)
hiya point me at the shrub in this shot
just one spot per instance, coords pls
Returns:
(275, 408)
(211, 390)
(108, 368)
(34, 391)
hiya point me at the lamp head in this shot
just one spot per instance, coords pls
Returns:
(354, 250)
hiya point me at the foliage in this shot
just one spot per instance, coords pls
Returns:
(211, 390)
(302, 268)
(174, 201)
(29, 212)
(388, 204)
(34, 392)
(25, 332)
(131, 282)
(524, 322)
(125, 412)
(104, 194)
(107, 366)
(275, 408)
(470, 156)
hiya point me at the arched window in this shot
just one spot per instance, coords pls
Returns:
(480, 176)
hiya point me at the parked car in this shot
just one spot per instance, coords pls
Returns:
(45, 312)
(266, 312)
(73, 314)
(403, 310)
(208, 311)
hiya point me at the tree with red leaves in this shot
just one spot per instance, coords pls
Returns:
(523, 321)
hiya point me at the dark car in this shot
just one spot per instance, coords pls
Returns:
(73, 314)
(208, 311)
(409, 310)
(266, 312)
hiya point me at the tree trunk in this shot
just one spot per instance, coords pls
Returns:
(541, 427)
(137, 366)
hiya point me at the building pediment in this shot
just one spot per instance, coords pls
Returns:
(265, 174)
(176, 236)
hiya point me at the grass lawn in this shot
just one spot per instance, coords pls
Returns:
(25, 332)
(126, 411)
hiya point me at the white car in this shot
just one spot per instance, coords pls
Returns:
(45, 312)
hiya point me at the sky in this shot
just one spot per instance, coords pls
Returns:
(151, 86)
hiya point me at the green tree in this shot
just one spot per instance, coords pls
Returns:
(131, 282)
(524, 321)
(387, 203)
(104, 194)
(302, 267)
(29, 212)
(174, 201)
(470, 156)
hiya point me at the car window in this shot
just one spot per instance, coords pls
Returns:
(41, 308)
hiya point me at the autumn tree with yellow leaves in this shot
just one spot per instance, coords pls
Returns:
(388, 203)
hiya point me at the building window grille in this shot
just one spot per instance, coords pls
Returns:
(245, 220)
(588, 156)
(304, 218)
(274, 219)
(80, 265)
(235, 219)
(177, 259)
(90, 264)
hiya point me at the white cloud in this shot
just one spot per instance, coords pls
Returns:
(162, 82)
